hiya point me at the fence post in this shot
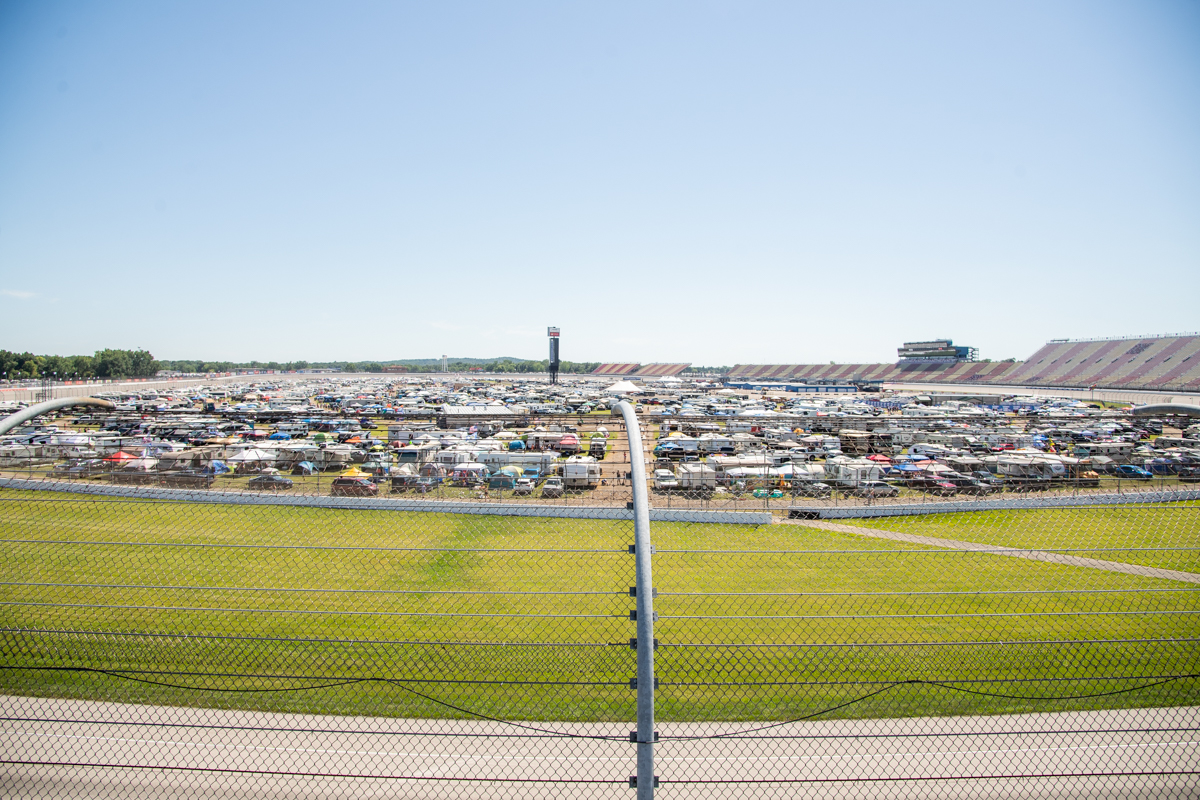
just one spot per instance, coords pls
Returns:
(644, 616)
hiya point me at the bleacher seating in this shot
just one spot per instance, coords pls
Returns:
(615, 369)
(1151, 362)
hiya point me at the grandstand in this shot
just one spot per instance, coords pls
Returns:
(660, 370)
(615, 369)
(934, 371)
(1170, 362)
(1138, 362)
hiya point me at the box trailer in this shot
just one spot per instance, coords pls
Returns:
(696, 476)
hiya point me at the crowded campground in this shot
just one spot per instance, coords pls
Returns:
(458, 437)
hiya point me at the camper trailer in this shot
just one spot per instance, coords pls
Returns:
(854, 443)
(851, 471)
(581, 472)
(417, 453)
(1117, 451)
(694, 476)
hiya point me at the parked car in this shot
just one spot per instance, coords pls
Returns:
(353, 487)
(1189, 475)
(401, 483)
(553, 487)
(273, 483)
(934, 484)
(188, 479)
(1132, 473)
(811, 489)
(523, 486)
(875, 489)
(82, 469)
(968, 485)
(983, 476)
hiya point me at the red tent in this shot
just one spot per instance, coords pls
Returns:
(120, 455)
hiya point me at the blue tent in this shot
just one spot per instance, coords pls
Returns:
(304, 468)
(219, 468)
(516, 444)
(280, 436)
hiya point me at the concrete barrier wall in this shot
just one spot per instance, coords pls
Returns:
(384, 504)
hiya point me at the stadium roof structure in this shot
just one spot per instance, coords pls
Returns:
(615, 369)
(660, 370)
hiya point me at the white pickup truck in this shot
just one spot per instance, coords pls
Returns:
(665, 480)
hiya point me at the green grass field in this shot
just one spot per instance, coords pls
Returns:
(1159, 536)
(254, 606)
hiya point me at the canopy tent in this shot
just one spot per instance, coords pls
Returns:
(280, 436)
(623, 387)
(253, 454)
(354, 472)
(120, 456)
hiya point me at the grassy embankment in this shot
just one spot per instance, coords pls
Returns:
(437, 612)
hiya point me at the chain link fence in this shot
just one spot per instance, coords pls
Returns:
(1045, 653)
(156, 645)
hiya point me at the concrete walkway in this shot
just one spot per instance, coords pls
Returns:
(71, 748)
(1014, 552)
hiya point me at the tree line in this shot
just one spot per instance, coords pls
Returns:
(141, 364)
(499, 365)
(104, 364)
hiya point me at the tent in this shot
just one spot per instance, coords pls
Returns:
(354, 472)
(252, 455)
(304, 468)
(623, 387)
(120, 456)
(470, 469)
(516, 444)
(280, 436)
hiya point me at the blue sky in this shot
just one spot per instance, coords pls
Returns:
(704, 182)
